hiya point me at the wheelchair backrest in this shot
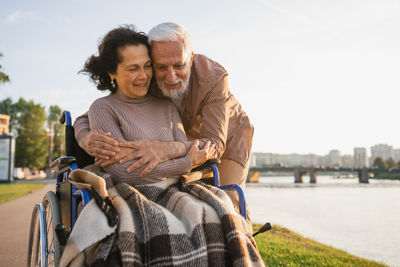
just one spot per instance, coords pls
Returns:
(72, 147)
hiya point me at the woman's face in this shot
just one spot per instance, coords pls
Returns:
(134, 72)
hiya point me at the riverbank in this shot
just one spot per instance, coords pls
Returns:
(386, 176)
(282, 247)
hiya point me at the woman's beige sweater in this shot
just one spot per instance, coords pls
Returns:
(137, 119)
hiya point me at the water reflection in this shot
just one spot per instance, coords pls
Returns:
(360, 218)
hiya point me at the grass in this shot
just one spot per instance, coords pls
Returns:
(282, 247)
(388, 176)
(11, 191)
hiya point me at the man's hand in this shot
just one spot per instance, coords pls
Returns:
(199, 156)
(121, 154)
(99, 144)
(150, 152)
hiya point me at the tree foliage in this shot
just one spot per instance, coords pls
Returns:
(31, 142)
(27, 123)
(391, 163)
(3, 77)
(380, 163)
(58, 131)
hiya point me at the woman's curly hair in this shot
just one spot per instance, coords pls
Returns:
(98, 67)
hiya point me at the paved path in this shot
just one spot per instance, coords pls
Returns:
(15, 217)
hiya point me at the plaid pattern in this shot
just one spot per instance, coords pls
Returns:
(177, 223)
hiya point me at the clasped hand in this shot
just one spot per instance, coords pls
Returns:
(108, 150)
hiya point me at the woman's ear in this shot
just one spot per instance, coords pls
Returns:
(112, 76)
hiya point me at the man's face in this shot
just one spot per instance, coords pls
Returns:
(171, 67)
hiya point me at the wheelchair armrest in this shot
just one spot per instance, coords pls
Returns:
(62, 163)
(206, 165)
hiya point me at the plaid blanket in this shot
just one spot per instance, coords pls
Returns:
(175, 222)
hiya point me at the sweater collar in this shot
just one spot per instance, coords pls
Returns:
(124, 98)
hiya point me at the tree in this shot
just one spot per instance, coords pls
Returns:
(391, 163)
(3, 77)
(31, 141)
(58, 131)
(380, 163)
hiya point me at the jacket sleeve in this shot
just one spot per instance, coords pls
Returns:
(178, 129)
(103, 117)
(215, 115)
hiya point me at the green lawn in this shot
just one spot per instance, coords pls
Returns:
(11, 191)
(282, 247)
(389, 176)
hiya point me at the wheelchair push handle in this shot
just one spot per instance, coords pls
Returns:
(66, 118)
(206, 165)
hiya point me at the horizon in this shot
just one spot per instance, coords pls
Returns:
(312, 76)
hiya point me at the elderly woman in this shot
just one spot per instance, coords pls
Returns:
(163, 218)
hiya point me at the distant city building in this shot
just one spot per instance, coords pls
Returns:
(253, 162)
(264, 159)
(396, 155)
(360, 157)
(347, 161)
(4, 124)
(381, 150)
(334, 158)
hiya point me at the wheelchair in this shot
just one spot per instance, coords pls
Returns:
(53, 219)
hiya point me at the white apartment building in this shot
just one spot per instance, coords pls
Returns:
(264, 159)
(334, 158)
(381, 150)
(396, 155)
(347, 161)
(360, 157)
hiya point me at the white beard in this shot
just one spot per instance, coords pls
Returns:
(175, 95)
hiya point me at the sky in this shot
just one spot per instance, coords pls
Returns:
(312, 75)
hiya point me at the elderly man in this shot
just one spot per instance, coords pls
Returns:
(199, 88)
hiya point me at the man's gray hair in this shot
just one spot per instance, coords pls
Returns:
(170, 31)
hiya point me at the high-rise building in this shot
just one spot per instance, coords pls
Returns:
(334, 158)
(396, 155)
(360, 157)
(381, 150)
(264, 159)
(253, 159)
(347, 161)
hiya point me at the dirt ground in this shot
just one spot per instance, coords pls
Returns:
(15, 217)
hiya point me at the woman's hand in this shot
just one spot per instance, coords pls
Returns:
(123, 152)
(199, 156)
(150, 153)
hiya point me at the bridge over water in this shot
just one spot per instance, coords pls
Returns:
(299, 172)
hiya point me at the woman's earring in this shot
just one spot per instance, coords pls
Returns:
(114, 84)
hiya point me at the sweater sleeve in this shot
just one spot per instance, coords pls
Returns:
(102, 116)
(81, 126)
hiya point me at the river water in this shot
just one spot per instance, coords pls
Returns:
(362, 219)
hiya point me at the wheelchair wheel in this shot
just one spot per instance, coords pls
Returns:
(44, 248)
